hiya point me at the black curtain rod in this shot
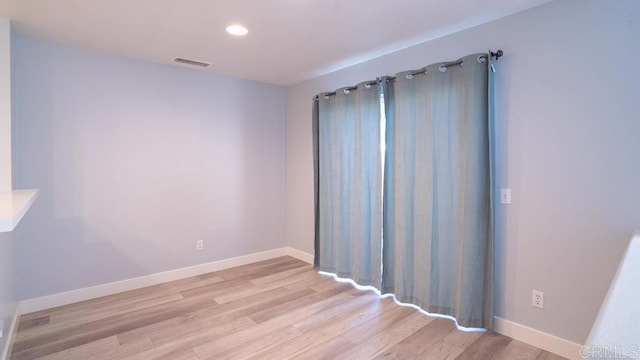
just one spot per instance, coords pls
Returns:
(496, 55)
(348, 89)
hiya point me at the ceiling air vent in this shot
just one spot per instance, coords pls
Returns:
(191, 62)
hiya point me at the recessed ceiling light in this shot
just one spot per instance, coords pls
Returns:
(237, 30)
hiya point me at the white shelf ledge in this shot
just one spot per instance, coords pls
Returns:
(13, 205)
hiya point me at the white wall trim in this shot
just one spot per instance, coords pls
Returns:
(73, 296)
(300, 255)
(537, 338)
(8, 344)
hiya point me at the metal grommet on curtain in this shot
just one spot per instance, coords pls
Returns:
(482, 59)
(442, 68)
(367, 86)
(326, 96)
(346, 91)
(409, 76)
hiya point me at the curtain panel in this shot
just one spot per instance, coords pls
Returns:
(422, 226)
(348, 188)
(438, 240)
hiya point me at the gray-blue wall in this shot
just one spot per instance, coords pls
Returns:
(135, 161)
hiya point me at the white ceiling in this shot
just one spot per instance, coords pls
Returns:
(289, 41)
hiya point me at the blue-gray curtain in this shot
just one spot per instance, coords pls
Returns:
(437, 221)
(438, 240)
(348, 178)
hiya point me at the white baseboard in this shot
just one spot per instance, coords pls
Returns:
(537, 338)
(73, 296)
(300, 255)
(8, 344)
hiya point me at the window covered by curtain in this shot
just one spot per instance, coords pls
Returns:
(349, 183)
(437, 234)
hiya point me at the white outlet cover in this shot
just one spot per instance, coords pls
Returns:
(537, 299)
(505, 196)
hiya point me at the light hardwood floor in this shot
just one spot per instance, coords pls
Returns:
(275, 309)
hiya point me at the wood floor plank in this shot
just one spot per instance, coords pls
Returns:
(303, 302)
(364, 308)
(327, 350)
(247, 348)
(164, 353)
(251, 288)
(134, 347)
(517, 350)
(325, 325)
(88, 332)
(545, 355)
(395, 332)
(294, 346)
(226, 314)
(60, 323)
(488, 346)
(66, 317)
(421, 340)
(298, 311)
(169, 329)
(441, 351)
(275, 309)
(280, 275)
(26, 324)
(323, 282)
(184, 345)
(258, 270)
(103, 349)
(310, 338)
(306, 340)
(462, 339)
(127, 297)
(393, 315)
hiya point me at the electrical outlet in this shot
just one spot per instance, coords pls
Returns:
(537, 299)
(199, 245)
(505, 196)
